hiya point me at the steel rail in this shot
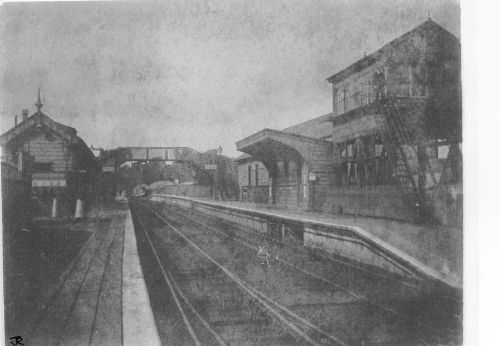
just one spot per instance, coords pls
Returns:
(173, 285)
(260, 297)
(345, 263)
(172, 290)
(334, 284)
(387, 277)
(247, 243)
(250, 292)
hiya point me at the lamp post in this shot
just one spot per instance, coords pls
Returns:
(212, 168)
(219, 153)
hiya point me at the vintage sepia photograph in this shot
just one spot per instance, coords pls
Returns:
(217, 172)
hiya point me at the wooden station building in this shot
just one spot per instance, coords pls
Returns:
(391, 146)
(51, 155)
(285, 167)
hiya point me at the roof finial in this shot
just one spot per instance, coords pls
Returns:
(38, 103)
(429, 14)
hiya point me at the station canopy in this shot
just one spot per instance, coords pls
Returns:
(272, 145)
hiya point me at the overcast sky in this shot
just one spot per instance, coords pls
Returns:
(190, 73)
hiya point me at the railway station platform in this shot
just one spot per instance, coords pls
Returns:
(101, 297)
(433, 250)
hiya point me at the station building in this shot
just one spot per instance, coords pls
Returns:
(391, 146)
(278, 176)
(53, 157)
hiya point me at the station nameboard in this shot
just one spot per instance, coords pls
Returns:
(48, 183)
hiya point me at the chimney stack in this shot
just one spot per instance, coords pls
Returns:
(25, 114)
(15, 120)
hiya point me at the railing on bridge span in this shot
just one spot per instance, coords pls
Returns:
(159, 153)
(144, 154)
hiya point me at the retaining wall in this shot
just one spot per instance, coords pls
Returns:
(348, 242)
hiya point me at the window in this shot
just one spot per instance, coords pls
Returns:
(346, 98)
(292, 172)
(351, 152)
(256, 174)
(42, 167)
(348, 149)
(343, 150)
(379, 147)
(365, 162)
(361, 90)
(340, 100)
(366, 86)
(280, 168)
(285, 168)
(351, 172)
(249, 175)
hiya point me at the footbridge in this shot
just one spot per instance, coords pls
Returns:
(116, 157)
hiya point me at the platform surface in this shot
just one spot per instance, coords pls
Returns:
(101, 297)
(435, 249)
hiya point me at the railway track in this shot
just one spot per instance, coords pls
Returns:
(50, 322)
(235, 313)
(408, 286)
(303, 307)
(254, 240)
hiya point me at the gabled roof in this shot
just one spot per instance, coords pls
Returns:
(314, 129)
(426, 29)
(267, 133)
(40, 120)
